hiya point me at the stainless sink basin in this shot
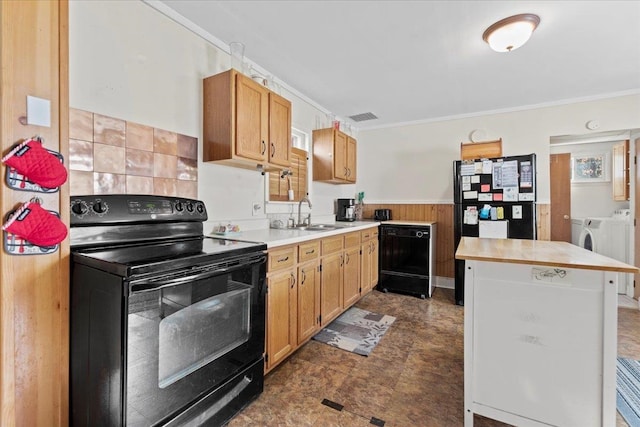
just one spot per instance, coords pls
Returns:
(321, 227)
(317, 227)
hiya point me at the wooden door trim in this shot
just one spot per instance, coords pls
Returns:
(559, 168)
(636, 234)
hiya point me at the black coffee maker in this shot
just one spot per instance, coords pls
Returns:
(346, 210)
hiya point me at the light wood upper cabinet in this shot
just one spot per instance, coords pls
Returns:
(252, 126)
(334, 156)
(621, 171)
(245, 124)
(279, 130)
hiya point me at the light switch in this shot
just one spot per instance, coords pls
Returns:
(38, 111)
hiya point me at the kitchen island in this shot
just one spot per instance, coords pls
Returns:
(539, 332)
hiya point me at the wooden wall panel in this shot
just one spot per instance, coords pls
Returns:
(544, 221)
(34, 290)
(443, 215)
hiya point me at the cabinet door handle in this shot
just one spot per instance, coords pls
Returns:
(293, 280)
(341, 260)
(304, 277)
(348, 172)
(370, 248)
(283, 259)
(347, 256)
(273, 149)
(345, 171)
(264, 148)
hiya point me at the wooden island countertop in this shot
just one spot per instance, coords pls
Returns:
(537, 252)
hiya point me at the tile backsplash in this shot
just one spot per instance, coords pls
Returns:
(109, 156)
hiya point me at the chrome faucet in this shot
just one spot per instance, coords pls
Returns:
(304, 199)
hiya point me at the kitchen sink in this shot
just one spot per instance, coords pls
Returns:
(321, 227)
(318, 227)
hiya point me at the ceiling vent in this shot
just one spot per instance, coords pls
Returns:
(363, 117)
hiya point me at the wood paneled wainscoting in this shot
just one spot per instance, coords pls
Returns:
(443, 215)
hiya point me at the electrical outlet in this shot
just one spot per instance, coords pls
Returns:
(256, 208)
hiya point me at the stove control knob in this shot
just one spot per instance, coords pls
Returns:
(200, 208)
(80, 208)
(419, 234)
(190, 207)
(179, 206)
(100, 207)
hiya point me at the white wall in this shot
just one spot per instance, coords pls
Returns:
(592, 199)
(413, 163)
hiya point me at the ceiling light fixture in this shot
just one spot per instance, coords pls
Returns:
(510, 33)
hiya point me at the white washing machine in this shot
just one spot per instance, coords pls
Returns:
(610, 237)
(577, 224)
(590, 234)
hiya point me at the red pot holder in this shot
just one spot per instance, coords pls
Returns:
(37, 164)
(33, 223)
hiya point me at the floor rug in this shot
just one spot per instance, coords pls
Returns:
(356, 330)
(628, 391)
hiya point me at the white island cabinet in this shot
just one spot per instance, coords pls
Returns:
(540, 327)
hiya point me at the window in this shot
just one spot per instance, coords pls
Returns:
(298, 177)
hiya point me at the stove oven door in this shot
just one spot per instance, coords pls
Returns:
(189, 332)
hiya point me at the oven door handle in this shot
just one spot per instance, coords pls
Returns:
(146, 286)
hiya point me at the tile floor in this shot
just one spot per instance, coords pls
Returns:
(414, 377)
(628, 302)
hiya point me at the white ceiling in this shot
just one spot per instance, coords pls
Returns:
(414, 61)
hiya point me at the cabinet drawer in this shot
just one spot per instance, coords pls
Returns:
(352, 239)
(371, 233)
(281, 258)
(308, 251)
(332, 244)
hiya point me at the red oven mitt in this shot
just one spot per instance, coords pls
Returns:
(36, 225)
(37, 164)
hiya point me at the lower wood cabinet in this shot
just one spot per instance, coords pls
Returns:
(330, 287)
(310, 284)
(351, 270)
(308, 300)
(282, 307)
(369, 262)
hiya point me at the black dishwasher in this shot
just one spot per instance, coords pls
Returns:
(406, 259)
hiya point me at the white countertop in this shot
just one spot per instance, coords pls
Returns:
(286, 236)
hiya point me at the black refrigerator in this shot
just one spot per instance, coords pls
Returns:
(493, 198)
